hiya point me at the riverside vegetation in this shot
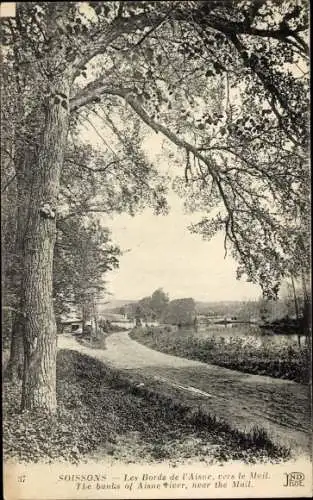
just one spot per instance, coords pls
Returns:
(139, 424)
(280, 361)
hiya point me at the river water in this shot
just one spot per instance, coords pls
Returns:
(247, 332)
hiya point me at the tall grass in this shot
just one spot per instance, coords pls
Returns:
(276, 360)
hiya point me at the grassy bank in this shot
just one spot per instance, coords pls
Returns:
(280, 361)
(103, 415)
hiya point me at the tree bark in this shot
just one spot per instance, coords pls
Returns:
(40, 346)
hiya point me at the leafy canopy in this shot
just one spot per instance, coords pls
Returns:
(226, 82)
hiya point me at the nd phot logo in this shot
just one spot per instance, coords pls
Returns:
(294, 479)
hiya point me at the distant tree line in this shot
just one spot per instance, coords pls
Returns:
(159, 308)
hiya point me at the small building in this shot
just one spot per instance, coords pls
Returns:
(151, 323)
(120, 320)
(72, 324)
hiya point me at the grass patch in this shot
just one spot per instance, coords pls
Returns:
(275, 360)
(103, 413)
(94, 343)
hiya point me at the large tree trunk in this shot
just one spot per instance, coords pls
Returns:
(40, 343)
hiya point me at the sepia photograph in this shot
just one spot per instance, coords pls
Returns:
(156, 249)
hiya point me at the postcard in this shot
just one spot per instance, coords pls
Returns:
(155, 222)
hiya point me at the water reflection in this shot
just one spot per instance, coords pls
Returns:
(247, 332)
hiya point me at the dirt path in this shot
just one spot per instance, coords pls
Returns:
(280, 406)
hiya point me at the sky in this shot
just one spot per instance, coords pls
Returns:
(160, 252)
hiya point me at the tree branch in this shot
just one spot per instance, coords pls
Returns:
(120, 9)
(157, 25)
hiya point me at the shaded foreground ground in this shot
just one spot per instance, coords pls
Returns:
(102, 415)
(243, 401)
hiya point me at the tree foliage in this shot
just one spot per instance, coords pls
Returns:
(150, 308)
(83, 254)
(225, 81)
(180, 312)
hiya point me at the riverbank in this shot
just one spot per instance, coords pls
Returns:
(102, 414)
(287, 327)
(279, 361)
